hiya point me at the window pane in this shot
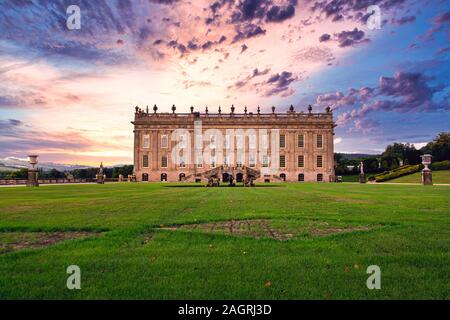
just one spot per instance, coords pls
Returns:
(282, 141)
(164, 141)
(301, 141)
(282, 161)
(164, 162)
(145, 161)
(301, 161)
(319, 141)
(319, 161)
(146, 141)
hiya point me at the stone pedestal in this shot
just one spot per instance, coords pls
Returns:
(100, 178)
(362, 178)
(427, 178)
(32, 178)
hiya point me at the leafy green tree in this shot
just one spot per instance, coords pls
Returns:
(439, 148)
(19, 174)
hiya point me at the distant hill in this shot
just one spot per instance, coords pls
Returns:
(353, 156)
(11, 164)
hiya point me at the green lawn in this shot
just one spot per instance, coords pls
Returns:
(439, 176)
(172, 241)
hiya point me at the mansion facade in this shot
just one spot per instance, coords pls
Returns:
(290, 146)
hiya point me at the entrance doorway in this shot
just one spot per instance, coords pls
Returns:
(181, 176)
(283, 176)
(145, 177)
(225, 177)
(239, 177)
(163, 176)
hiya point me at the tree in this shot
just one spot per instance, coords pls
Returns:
(19, 174)
(439, 148)
(402, 151)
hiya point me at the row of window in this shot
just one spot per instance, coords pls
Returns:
(239, 162)
(181, 176)
(239, 141)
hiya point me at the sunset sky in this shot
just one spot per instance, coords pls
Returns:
(69, 95)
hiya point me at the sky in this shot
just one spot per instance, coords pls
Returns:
(69, 95)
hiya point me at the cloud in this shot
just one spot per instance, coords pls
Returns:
(403, 20)
(325, 37)
(279, 83)
(405, 92)
(350, 38)
(247, 31)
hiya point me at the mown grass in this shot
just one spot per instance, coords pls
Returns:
(439, 176)
(135, 258)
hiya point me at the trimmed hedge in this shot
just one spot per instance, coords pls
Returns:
(442, 165)
(399, 172)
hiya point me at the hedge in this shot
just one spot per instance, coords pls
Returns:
(442, 165)
(399, 172)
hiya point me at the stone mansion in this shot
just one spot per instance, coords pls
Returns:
(290, 146)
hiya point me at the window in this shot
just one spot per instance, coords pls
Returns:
(319, 141)
(319, 177)
(301, 141)
(239, 141)
(227, 141)
(163, 162)
(213, 162)
(264, 141)
(265, 160)
(164, 141)
(252, 142)
(198, 141)
(199, 161)
(282, 161)
(301, 177)
(319, 161)
(226, 160)
(301, 161)
(146, 141)
(182, 162)
(212, 142)
(183, 141)
(252, 160)
(239, 160)
(282, 141)
(145, 161)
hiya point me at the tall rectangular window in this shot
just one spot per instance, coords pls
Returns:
(319, 141)
(282, 141)
(301, 141)
(182, 162)
(239, 141)
(301, 161)
(199, 161)
(145, 161)
(199, 141)
(164, 141)
(146, 141)
(283, 161)
(163, 162)
(252, 160)
(212, 142)
(265, 161)
(319, 162)
(183, 141)
(239, 159)
(265, 141)
(252, 141)
(227, 141)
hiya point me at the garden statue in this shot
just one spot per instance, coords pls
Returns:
(362, 175)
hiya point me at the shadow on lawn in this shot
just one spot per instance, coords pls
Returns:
(224, 186)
